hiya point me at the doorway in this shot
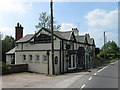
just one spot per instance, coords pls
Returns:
(72, 62)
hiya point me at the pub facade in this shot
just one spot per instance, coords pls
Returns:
(71, 51)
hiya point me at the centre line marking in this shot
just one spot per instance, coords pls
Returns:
(95, 73)
(90, 78)
(102, 69)
(83, 86)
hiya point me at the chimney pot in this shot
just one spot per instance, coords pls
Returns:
(17, 24)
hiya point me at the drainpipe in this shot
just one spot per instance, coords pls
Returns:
(48, 60)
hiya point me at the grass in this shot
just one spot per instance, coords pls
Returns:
(53, 75)
(3, 63)
(113, 60)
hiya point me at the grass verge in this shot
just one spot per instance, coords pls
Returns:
(113, 60)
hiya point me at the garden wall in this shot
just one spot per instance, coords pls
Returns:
(14, 68)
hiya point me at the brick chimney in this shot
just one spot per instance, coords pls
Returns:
(18, 32)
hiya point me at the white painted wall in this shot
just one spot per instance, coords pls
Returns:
(40, 67)
(8, 59)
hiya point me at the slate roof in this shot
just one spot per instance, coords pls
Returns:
(12, 51)
(25, 38)
(91, 41)
(64, 35)
(80, 39)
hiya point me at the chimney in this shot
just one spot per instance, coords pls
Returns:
(18, 32)
(76, 31)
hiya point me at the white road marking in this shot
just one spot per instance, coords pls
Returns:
(90, 78)
(95, 73)
(83, 86)
(102, 69)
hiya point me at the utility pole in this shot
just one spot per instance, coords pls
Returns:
(52, 39)
(104, 45)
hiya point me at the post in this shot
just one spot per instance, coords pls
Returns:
(52, 40)
(104, 45)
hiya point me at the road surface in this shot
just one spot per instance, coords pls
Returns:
(106, 77)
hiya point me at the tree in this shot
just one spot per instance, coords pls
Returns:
(45, 21)
(7, 44)
(110, 48)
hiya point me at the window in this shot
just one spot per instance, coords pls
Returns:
(30, 57)
(44, 58)
(37, 58)
(24, 57)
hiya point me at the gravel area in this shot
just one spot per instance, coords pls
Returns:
(33, 80)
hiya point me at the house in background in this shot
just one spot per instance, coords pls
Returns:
(71, 51)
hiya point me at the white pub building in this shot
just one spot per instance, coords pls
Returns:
(71, 51)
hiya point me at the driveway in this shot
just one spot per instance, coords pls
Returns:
(33, 80)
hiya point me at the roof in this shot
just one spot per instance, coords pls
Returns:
(80, 39)
(64, 35)
(91, 41)
(12, 51)
(25, 38)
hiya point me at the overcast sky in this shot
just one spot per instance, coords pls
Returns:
(89, 17)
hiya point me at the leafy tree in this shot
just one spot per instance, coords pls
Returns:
(45, 21)
(0, 46)
(7, 44)
(110, 48)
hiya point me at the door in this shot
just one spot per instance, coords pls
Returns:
(72, 62)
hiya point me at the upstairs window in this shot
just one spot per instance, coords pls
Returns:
(24, 57)
(37, 58)
(44, 58)
(30, 57)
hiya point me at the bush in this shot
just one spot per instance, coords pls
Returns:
(3, 64)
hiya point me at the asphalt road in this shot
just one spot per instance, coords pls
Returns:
(105, 77)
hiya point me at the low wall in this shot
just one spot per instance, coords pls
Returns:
(14, 68)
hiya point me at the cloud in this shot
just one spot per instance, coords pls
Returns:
(100, 20)
(66, 26)
(7, 31)
(18, 6)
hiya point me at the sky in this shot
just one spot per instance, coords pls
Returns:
(91, 17)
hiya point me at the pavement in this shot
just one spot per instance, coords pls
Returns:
(102, 77)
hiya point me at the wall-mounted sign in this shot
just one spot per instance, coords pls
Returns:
(67, 46)
(56, 60)
(42, 38)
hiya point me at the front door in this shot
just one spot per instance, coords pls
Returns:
(72, 62)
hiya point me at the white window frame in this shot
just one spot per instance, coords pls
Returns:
(36, 58)
(30, 58)
(45, 56)
(24, 58)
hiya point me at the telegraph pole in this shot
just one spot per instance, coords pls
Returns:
(52, 39)
(104, 45)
